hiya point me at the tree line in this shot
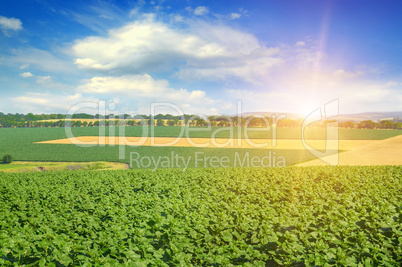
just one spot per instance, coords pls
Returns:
(79, 120)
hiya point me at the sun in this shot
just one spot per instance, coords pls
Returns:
(305, 106)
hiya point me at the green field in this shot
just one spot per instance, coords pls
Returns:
(20, 142)
(22, 166)
(320, 216)
(294, 216)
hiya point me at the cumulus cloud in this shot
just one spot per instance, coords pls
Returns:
(202, 50)
(26, 75)
(145, 89)
(201, 10)
(289, 77)
(10, 24)
(143, 46)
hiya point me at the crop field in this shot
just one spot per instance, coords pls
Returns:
(384, 152)
(293, 144)
(312, 216)
(23, 144)
(197, 215)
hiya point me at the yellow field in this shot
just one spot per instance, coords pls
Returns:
(383, 152)
(358, 152)
(212, 143)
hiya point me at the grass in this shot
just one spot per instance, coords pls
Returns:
(24, 166)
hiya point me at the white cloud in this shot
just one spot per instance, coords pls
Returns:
(144, 45)
(32, 100)
(146, 90)
(235, 15)
(22, 67)
(392, 83)
(7, 24)
(135, 85)
(201, 10)
(26, 75)
(105, 17)
(130, 93)
(286, 77)
(178, 18)
(47, 82)
(48, 103)
(133, 12)
(101, 15)
(304, 91)
(342, 74)
(39, 59)
(204, 51)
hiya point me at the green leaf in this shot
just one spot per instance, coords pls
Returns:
(227, 236)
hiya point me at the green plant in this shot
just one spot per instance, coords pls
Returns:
(8, 158)
(313, 216)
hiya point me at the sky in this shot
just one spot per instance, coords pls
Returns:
(200, 57)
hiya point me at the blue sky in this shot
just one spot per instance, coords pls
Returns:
(201, 56)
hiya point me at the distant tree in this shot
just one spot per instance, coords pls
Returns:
(201, 122)
(76, 124)
(387, 124)
(8, 159)
(61, 123)
(30, 117)
(291, 123)
(170, 123)
(160, 122)
(222, 121)
(159, 116)
(347, 124)
(258, 122)
(367, 124)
